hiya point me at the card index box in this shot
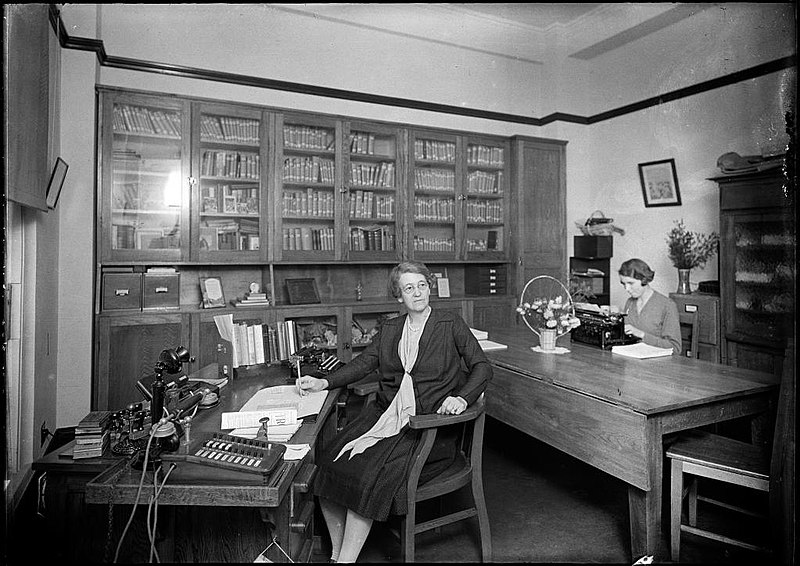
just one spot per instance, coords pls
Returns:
(161, 291)
(122, 291)
(593, 246)
(485, 279)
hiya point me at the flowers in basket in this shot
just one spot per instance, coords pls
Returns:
(550, 314)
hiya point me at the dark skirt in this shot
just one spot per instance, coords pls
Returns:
(373, 483)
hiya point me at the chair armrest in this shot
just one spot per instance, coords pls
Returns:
(435, 420)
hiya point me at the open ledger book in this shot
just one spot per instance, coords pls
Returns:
(641, 350)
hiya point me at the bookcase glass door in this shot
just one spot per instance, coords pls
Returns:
(144, 168)
(435, 181)
(371, 178)
(231, 194)
(308, 197)
(764, 275)
(485, 190)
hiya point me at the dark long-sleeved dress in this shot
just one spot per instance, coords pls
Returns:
(450, 362)
(659, 320)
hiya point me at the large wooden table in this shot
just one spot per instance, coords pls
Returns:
(212, 514)
(613, 412)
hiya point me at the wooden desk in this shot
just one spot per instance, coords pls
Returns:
(207, 517)
(613, 412)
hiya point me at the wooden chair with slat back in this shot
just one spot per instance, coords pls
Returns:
(699, 453)
(690, 323)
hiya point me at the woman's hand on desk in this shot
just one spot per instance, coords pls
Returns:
(633, 331)
(307, 384)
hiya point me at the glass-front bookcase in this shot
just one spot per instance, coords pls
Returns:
(372, 177)
(230, 192)
(486, 191)
(435, 181)
(145, 170)
(307, 203)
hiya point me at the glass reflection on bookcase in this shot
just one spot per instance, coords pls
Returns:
(146, 191)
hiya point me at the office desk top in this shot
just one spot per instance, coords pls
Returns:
(648, 386)
(613, 412)
(198, 484)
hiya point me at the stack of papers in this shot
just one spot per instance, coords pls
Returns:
(641, 350)
(480, 334)
(489, 346)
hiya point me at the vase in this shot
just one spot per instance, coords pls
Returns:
(684, 284)
(547, 339)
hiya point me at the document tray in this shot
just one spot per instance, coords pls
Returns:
(233, 453)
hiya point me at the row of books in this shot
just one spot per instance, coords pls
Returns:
(252, 299)
(309, 170)
(485, 182)
(485, 155)
(365, 143)
(434, 150)
(427, 244)
(432, 179)
(230, 199)
(92, 435)
(233, 164)
(435, 209)
(308, 203)
(307, 137)
(258, 343)
(307, 238)
(380, 238)
(140, 120)
(372, 174)
(485, 211)
(491, 243)
(229, 129)
(364, 204)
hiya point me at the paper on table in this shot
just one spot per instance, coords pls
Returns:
(287, 396)
(249, 419)
(641, 350)
(488, 345)
(296, 451)
(479, 334)
(275, 433)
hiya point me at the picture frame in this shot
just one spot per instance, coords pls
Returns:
(443, 287)
(213, 295)
(56, 183)
(659, 183)
(302, 291)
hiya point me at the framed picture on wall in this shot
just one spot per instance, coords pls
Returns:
(659, 183)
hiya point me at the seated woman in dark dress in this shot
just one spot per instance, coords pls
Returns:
(428, 362)
(651, 316)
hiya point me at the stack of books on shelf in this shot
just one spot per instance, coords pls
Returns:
(252, 299)
(92, 435)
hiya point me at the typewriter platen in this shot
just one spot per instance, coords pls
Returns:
(601, 329)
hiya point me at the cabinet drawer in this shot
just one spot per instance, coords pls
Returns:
(161, 291)
(485, 279)
(122, 291)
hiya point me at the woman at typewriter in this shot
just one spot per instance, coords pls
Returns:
(361, 475)
(651, 316)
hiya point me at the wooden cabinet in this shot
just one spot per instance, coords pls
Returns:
(190, 189)
(710, 332)
(539, 239)
(757, 267)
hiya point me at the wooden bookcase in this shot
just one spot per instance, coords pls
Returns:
(250, 194)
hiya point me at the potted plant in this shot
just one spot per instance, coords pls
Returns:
(689, 250)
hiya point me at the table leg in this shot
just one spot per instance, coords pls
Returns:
(644, 506)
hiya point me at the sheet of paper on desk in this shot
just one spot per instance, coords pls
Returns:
(488, 345)
(479, 334)
(286, 396)
(275, 433)
(641, 350)
(248, 419)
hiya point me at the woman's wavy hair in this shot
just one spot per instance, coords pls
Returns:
(408, 267)
(637, 269)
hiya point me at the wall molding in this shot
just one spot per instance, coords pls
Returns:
(88, 44)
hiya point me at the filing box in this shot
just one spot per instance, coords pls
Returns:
(122, 291)
(161, 291)
(593, 246)
(485, 279)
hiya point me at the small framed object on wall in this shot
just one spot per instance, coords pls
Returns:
(211, 288)
(659, 183)
(302, 291)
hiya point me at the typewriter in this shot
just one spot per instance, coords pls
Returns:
(601, 329)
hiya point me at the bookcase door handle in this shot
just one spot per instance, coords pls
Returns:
(121, 292)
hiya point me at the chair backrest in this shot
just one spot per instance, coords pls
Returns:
(690, 322)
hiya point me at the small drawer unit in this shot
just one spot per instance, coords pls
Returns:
(161, 291)
(122, 291)
(485, 279)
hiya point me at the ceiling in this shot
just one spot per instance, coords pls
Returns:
(532, 32)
